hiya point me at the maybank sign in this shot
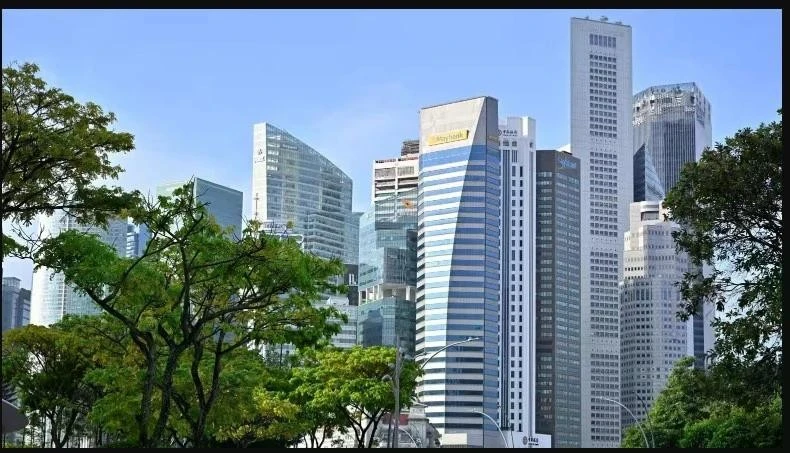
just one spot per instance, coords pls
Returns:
(448, 137)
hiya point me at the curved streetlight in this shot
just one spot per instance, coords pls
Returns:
(638, 423)
(649, 423)
(422, 366)
(504, 439)
(396, 381)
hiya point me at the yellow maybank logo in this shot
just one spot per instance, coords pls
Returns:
(447, 137)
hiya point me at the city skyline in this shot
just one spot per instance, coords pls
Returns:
(371, 107)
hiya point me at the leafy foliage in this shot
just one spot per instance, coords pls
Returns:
(729, 206)
(47, 366)
(349, 382)
(194, 289)
(54, 149)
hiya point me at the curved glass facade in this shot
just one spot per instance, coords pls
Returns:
(294, 184)
(672, 127)
(458, 268)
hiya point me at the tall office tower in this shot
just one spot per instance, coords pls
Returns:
(396, 175)
(652, 337)
(601, 131)
(51, 297)
(517, 315)
(16, 304)
(293, 184)
(388, 271)
(137, 237)
(222, 202)
(558, 277)
(459, 267)
(672, 127)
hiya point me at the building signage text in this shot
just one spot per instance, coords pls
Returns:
(448, 137)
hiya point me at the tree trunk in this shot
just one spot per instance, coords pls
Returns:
(167, 386)
(145, 404)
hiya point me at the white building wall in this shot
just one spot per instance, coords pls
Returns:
(517, 326)
(652, 337)
(601, 137)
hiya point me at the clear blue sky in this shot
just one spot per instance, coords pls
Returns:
(190, 84)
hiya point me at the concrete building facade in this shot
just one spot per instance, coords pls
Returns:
(601, 137)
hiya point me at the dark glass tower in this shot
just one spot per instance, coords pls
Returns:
(558, 344)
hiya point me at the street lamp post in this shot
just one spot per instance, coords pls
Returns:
(395, 382)
(504, 439)
(638, 424)
(649, 423)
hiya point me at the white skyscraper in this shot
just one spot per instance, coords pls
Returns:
(459, 269)
(517, 317)
(51, 298)
(601, 137)
(652, 337)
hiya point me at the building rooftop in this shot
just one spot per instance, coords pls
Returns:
(602, 19)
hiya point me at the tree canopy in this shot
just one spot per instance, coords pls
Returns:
(53, 151)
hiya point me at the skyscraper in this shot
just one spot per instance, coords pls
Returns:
(395, 175)
(388, 271)
(51, 297)
(672, 126)
(137, 237)
(558, 277)
(459, 267)
(517, 315)
(16, 304)
(652, 337)
(293, 184)
(601, 137)
(222, 202)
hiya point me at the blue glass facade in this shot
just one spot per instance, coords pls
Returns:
(458, 268)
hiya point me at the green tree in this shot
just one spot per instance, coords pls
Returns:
(351, 381)
(47, 368)
(53, 151)
(192, 283)
(729, 207)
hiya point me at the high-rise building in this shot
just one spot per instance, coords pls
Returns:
(601, 137)
(293, 185)
(388, 271)
(459, 268)
(558, 279)
(222, 202)
(396, 175)
(517, 315)
(51, 297)
(652, 337)
(352, 239)
(137, 237)
(672, 126)
(16, 304)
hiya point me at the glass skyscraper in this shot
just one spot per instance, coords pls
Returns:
(222, 202)
(558, 349)
(51, 297)
(294, 186)
(16, 304)
(672, 126)
(388, 271)
(459, 268)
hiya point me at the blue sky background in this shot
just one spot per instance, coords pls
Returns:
(190, 84)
